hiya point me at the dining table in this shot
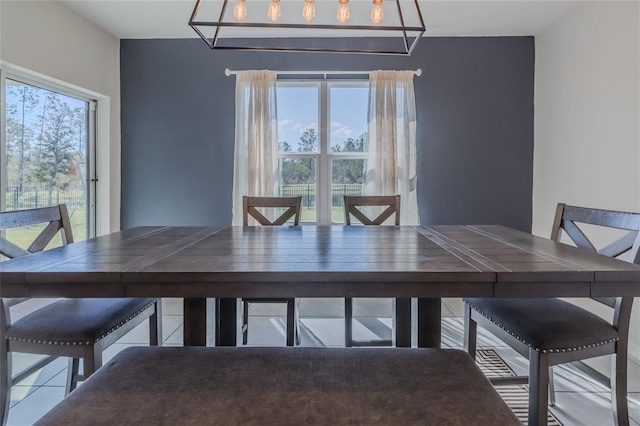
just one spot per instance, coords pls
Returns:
(424, 263)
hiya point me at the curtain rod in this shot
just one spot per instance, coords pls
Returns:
(228, 72)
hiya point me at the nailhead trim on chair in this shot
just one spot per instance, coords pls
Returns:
(120, 324)
(544, 351)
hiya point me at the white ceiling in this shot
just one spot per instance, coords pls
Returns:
(168, 18)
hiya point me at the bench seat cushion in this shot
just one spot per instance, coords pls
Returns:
(285, 386)
(547, 325)
(76, 321)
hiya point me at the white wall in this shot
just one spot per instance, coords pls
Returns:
(587, 115)
(48, 39)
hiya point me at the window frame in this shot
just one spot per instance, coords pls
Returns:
(324, 157)
(91, 128)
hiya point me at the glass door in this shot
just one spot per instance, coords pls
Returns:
(48, 152)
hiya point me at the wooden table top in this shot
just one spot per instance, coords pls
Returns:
(318, 261)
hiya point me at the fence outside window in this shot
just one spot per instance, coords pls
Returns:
(34, 197)
(308, 193)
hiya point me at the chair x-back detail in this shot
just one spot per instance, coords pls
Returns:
(552, 331)
(391, 202)
(390, 205)
(291, 206)
(252, 204)
(74, 328)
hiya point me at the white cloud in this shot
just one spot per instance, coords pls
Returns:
(285, 124)
(340, 130)
(288, 125)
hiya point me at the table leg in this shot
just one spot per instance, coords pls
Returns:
(226, 318)
(429, 322)
(195, 321)
(403, 323)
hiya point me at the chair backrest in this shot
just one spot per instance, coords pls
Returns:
(567, 219)
(55, 219)
(251, 205)
(391, 202)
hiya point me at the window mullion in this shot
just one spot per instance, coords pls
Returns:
(93, 169)
(3, 143)
(324, 169)
(312, 104)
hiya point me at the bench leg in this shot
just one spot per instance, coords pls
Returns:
(619, 388)
(470, 332)
(538, 387)
(5, 382)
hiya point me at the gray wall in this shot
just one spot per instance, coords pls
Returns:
(474, 105)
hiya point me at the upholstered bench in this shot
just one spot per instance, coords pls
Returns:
(275, 386)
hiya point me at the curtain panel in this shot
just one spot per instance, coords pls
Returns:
(391, 160)
(256, 144)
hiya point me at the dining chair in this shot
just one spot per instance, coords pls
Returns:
(363, 209)
(286, 208)
(552, 331)
(74, 328)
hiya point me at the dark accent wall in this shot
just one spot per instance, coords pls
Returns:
(474, 105)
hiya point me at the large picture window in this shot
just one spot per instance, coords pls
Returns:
(48, 152)
(322, 146)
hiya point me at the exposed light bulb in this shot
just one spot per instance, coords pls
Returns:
(377, 14)
(343, 11)
(308, 11)
(274, 10)
(240, 10)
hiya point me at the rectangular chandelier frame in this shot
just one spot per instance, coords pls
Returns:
(408, 44)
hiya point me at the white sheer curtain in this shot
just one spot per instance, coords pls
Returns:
(256, 149)
(391, 160)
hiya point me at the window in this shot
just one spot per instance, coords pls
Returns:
(322, 149)
(47, 152)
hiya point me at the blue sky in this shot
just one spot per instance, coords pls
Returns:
(32, 117)
(298, 110)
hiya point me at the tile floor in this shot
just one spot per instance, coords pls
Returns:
(580, 400)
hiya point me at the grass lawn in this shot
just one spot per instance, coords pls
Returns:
(309, 215)
(25, 235)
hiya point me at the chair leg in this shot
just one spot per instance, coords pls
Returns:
(5, 382)
(245, 322)
(91, 361)
(291, 318)
(348, 322)
(552, 389)
(96, 362)
(470, 332)
(619, 389)
(538, 387)
(72, 375)
(297, 321)
(155, 325)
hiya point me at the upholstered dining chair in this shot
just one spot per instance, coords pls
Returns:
(74, 328)
(552, 331)
(357, 206)
(286, 208)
